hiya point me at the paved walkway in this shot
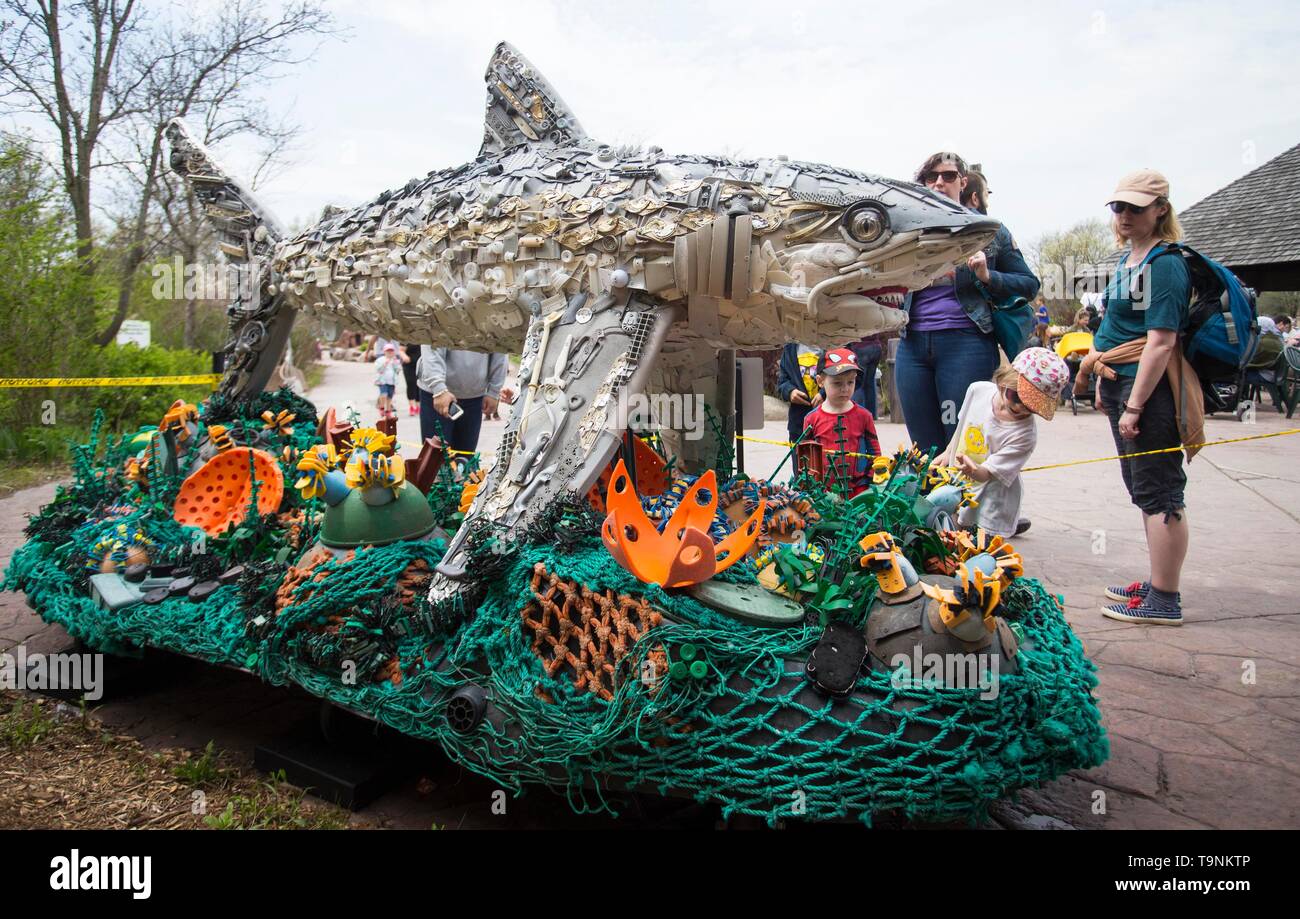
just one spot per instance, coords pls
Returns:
(1204, 720)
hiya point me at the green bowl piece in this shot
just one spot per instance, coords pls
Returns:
(352, 522)
(747, 602)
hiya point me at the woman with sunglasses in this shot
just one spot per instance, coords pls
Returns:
(948, 342)
(1147, 300)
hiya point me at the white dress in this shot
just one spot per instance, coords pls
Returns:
(1001, 447)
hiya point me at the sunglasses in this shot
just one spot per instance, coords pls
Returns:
(948, 175)
(1013, 400)
(1120, 207)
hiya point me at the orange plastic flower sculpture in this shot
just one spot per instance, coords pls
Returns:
(216, 494)
(683, 553)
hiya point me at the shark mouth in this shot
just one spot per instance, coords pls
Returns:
(911, 255)
(887, 296)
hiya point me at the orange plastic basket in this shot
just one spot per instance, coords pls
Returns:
(216, 494)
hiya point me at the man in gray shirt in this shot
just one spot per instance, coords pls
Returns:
(469, 379)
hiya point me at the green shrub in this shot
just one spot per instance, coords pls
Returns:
(37, 423)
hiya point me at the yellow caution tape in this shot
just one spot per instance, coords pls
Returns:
(210, 379)
(760, 440)
(1179, 449)
(420, 446)
(786, 443)
(1100, 459)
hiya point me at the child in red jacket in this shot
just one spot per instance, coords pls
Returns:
(842, 426)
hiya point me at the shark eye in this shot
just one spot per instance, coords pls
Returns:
(867, 223)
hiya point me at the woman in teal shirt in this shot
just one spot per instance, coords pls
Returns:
(1148, 298)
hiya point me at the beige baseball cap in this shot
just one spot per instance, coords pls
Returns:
(1141, 188)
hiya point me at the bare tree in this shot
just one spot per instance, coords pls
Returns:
(107, 75)
(1062, 256)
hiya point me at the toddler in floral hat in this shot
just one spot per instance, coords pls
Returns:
(996, 434)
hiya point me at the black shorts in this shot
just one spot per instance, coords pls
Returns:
(1155, 483)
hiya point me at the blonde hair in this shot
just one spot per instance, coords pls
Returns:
(1006, 377)
(1168, 229)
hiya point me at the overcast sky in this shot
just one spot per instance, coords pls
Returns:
(1057, 100)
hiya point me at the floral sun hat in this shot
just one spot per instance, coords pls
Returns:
(1042, 377)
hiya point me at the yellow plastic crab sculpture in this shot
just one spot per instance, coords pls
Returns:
(886, 561)
(179, 418)
(881, 469)
(968, 610)
(280, 423)
(377, 470)
(986, 567)
(966, 546)
(219, 435)
(315, 464)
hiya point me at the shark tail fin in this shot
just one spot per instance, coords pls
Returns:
(522, 107)
(246, 234)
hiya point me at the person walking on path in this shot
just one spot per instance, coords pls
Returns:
(409, 372)
(386, 365)
(458, 389)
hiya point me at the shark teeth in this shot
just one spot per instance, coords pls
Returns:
(887, 296)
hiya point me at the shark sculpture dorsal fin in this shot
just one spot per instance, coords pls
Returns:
(522, 107)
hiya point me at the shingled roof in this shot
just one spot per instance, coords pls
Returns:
(1251, 225)
(1254, 220)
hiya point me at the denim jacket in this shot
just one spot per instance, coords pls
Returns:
(1009, 276)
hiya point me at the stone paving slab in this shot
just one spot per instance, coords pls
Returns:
(1192, 744)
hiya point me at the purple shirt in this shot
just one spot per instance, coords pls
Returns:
(937, 307)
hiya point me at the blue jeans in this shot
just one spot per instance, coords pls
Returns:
(461, 434)
(932, 372)
(868, 356)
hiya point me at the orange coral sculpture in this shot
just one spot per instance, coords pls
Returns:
(683, 553)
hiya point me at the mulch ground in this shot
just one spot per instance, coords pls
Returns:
(60, 769)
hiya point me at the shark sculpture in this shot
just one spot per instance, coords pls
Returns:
(614, 271)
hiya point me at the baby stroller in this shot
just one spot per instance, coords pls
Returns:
(1071, 348)
(1274, 368)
